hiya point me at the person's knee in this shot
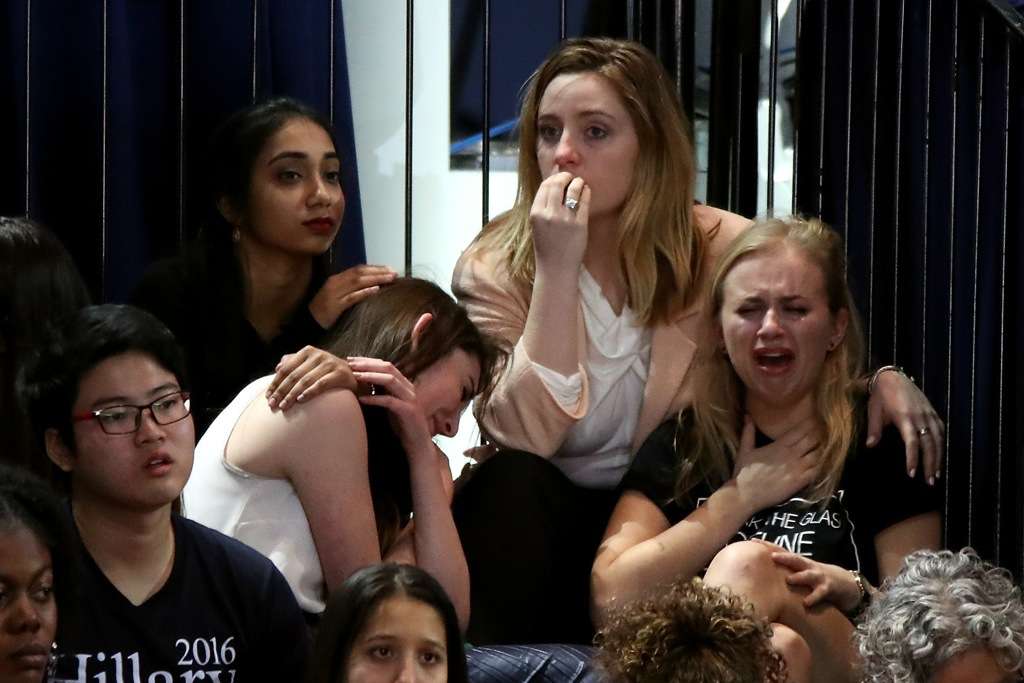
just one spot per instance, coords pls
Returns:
(750, 560)
(794, 649)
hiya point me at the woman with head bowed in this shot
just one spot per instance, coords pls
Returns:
(351, 479)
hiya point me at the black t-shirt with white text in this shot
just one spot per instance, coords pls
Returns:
(224, 615)
(874, 493)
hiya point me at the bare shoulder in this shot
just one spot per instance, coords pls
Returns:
(264, 441)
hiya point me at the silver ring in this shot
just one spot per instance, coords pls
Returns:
(923, 430)
(572, 203)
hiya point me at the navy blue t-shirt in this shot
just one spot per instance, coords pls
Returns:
(225, 614)
(874, 492)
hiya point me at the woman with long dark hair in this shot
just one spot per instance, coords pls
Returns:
(255, 285)
(344, 480)
(386, 623)
(39, 284)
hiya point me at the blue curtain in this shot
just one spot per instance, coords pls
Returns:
(108, 106)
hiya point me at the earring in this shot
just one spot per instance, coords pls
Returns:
(236, 234)
(51, 662)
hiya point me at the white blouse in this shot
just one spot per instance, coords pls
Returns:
(598, 448)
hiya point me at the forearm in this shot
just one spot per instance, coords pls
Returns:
(549, 335)
(683, 549)
(435, 538)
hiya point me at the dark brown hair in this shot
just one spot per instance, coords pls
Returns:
(354, 603)
(689, 633)
(381, 327)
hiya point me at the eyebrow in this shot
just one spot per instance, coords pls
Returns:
(385, 636)
(786, 299)
(302, 156)
(168, 388)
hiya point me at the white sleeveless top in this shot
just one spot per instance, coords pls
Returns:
(261, 512)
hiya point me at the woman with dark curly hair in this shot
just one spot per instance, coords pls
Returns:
(945, 617)
(690, 633)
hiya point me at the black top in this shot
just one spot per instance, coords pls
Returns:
(874, 493)
(225, 613)
(223, 351)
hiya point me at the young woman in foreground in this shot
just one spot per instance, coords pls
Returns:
(389, 623)
(593, 283)
(329, 486)
(770, 453)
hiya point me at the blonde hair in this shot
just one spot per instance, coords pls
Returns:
(707, 447)
(660, 248)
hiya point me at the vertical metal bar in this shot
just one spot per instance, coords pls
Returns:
(796, 128)
(330, 69)
(773, 78)
(103, 164)
(485, 139)
(631, 19)
(736, 174)
(181, 123)
(979, 113)
(900, 26)
(849, 136)
(562, 26)
(677, 41)
(952, 251)
(872, 185)
(640, 20)
(255, 19)
(658, 41)
(330, 104)
(408, 133)
(822, 109)
(926, 210)
(1001, 406)
(28, 105)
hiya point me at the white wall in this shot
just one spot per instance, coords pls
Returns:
(446, 204)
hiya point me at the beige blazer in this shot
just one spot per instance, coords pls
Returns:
(522, 413)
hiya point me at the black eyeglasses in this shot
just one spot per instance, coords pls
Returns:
(127, 419)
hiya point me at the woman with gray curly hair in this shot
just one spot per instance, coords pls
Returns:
(945, 617)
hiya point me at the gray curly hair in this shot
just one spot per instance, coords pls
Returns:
(940, 605)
